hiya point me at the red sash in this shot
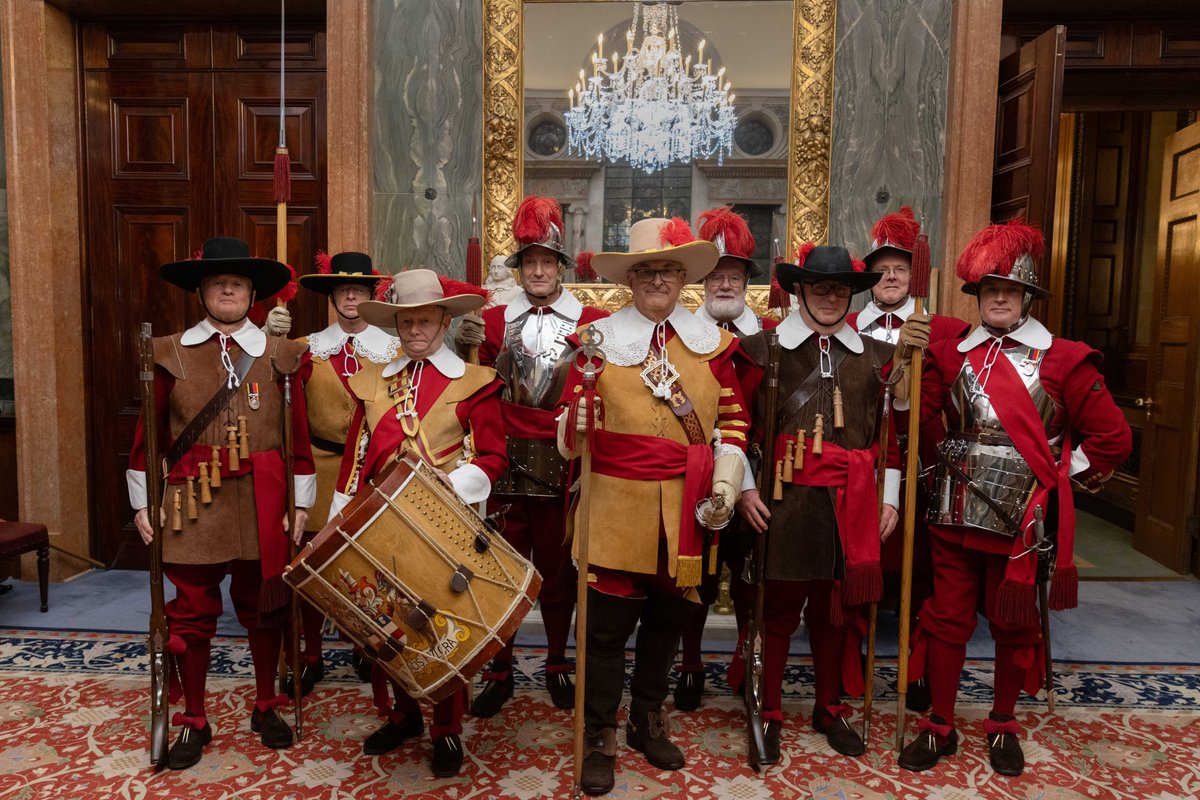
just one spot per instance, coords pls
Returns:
(650, 458)
(525, 422)
(853, 473)
(1016, 599)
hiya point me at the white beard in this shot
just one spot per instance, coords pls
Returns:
(725, 310)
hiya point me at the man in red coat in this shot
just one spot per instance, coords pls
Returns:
(1028, 415)
(724, 306)
(445, 411)
(893, 237)
(526, 341)
(224, 500)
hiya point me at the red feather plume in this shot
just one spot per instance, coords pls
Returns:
(994, 249)
(534, 216)
(858, 264)
(778, 299)
(583, 267)
(383, 287)
(899, 229)
(676, 232)
(802, 253)
(451, 287)
(324, 263)
(739, 241)
(288, 292)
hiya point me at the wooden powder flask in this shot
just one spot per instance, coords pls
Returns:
(788, 459)
(839, 419)
(777, 492)
(819, 435)
(192, 512)
(231, 445)
(215, 467)
(798, 456)
(205, 484)
(177, 512)
(243, 437)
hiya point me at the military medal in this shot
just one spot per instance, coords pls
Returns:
(1028, 365)
(252, 393)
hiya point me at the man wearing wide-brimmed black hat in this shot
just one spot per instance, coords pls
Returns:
(345, 348)
(224, 502)
(826, 531)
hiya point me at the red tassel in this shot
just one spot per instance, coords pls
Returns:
(583, 267)
(778, 300)
(282, 183)
(1064, 588)
(474, 270)
(863, 584)
(918, 283)
(1016, 603)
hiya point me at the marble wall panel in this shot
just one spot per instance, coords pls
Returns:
(427, 131)
(889, 115)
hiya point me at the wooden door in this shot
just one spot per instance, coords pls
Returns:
(1024, 175)
(177, 151)
(1166, 516)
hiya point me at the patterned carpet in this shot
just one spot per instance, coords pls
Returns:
(74, 722)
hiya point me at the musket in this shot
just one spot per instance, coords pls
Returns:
(293, 549)
(754, 643)
(885, 419)
(160, 704)
(591, 366)
(1045, 573)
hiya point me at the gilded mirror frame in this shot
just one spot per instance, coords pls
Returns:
(810, 122)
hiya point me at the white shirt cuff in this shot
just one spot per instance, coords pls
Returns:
(891, 487)
(748, 482)
(306, 490)
(136, 481)
(471, 483)
(1079, 461)
(337, 504)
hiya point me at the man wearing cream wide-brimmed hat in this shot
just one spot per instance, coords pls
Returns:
(673, 435)
(431, 402)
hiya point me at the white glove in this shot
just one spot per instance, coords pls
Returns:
(279, 321)
(728, 471)
(470, 332)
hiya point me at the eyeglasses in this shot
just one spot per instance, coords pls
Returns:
(839, 289)
(650, 275)
(899, 271)
(718, 278)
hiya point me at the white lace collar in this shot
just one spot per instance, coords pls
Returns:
(872, 312)
(374, 344)
(793, 332)
(1031, 334)
(747, 322)
(248, 337)
(627, 334)
(566, 305)
(445, 359)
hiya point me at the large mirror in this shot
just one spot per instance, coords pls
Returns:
(779, 59)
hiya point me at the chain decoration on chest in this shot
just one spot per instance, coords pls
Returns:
(404, 392)
(659, 374)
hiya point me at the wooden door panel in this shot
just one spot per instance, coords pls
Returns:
(147, 47)
(150, 140)
(252, 46)
(258, 131)
(1168, 481)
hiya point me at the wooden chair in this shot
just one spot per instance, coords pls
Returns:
(17, 538)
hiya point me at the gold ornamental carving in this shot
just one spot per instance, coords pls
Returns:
(809, 134)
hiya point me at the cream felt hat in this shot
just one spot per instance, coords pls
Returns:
(655, 239)
(418, 288)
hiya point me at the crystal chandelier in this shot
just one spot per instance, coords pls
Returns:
(652, 108)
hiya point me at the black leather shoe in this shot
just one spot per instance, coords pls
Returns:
(392, 734)
(918, 698)
(362, 666)
(310, 675)
(1004, 751)
(189, 746)
(771, 740)
(561, 688)
(688, 689)
(447, 756)
(926, 750)
(840, 735)
(493, 697)
(649, 736)
(271, 729)
(599, 763)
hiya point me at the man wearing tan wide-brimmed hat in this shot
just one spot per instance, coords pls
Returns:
(431, 402)
(672, 440)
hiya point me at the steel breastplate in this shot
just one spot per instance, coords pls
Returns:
(535, 359)
(984, 454)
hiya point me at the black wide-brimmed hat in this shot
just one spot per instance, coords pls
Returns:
(227, 255)
(340, 269)
(820, 263)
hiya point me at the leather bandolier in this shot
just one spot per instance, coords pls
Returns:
(980, 458)
(534, 370)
